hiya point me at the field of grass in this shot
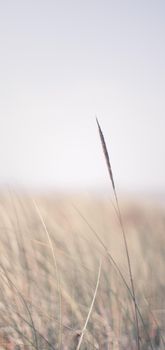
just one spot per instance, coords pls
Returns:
(64, 279)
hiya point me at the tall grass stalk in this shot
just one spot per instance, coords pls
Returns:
(107, 159)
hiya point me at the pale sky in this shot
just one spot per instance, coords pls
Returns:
(61, 64)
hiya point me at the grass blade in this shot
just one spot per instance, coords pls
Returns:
(90, 309)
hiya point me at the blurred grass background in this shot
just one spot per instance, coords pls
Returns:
(47, 282)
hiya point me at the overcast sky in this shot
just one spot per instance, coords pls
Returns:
(61, 64)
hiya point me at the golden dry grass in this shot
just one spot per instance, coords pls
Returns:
(49, 266)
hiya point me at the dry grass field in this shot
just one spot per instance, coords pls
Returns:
(64, 279)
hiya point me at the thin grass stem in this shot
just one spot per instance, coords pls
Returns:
(90, 309)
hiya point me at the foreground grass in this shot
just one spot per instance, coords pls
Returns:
(59, 286)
